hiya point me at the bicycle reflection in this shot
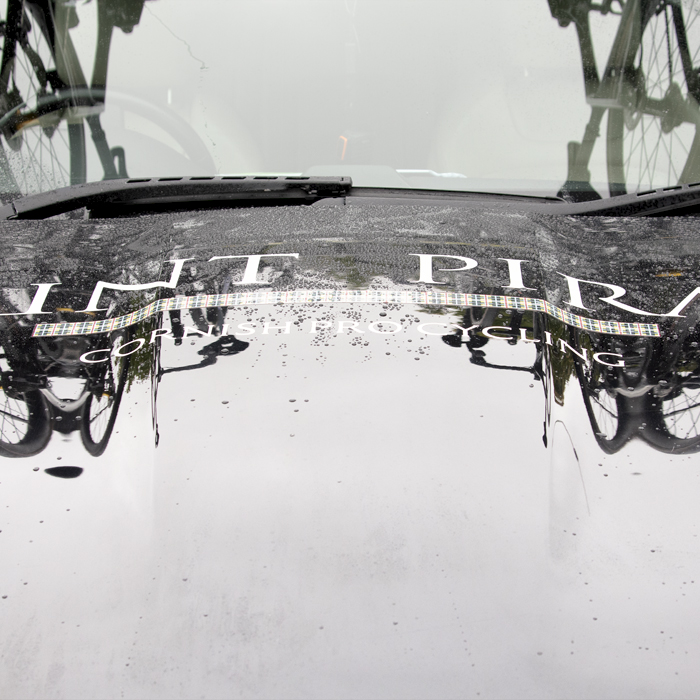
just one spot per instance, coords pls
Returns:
(654, 395)
(649, 89)
(45, 387)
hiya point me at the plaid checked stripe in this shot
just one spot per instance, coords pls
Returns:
(347, 296)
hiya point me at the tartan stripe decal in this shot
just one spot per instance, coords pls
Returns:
(345, 296)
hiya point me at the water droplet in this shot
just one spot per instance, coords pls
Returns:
(64, 472)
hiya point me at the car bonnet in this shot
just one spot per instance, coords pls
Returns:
(349, 451)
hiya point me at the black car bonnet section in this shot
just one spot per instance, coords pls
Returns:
(176, 192)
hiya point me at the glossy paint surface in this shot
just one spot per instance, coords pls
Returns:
(350, 496)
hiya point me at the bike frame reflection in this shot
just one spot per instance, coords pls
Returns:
(46, 384)
(652, 395)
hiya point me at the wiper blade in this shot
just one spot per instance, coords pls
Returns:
(680, 200)
(115, 197)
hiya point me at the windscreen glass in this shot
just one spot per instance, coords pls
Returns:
(536, 96)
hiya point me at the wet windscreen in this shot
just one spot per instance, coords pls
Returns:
(559, 96)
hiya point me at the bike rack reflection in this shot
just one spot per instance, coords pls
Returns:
(654, 397)
(38, 374)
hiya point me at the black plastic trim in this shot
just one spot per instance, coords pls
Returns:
(678, 200)
(134, 195)
(135, 192)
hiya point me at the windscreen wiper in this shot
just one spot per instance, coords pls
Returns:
(138, 195)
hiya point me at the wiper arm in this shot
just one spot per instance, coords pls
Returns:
(117, 197)
(680, 200)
